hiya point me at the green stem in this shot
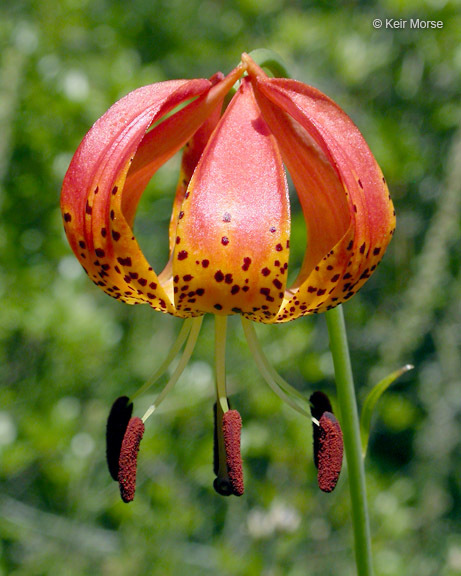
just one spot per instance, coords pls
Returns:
(352, 444)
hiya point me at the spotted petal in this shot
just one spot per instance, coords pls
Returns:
(109, 172)
(232, 250)
(347, 207)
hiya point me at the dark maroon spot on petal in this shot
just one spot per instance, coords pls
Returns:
(279, 247)
(129, 457)
(219, 276)
(180, 215)
(272, 229)
(112, 215)
(360, 183)
(245, 288)
(218, 306)
(355, 208)
(67, 217)
(329, 267)
(321, 291)
(178, 239)
(246, 263)
(82, 244)
(362, 248)
(133, 275)
(376, 251)
(187, 277)
(153, 285)
(311, 289)
(277, 284)
(265, 271)
(103, 232)
(347, 275)
(105, 267)
(100, 253)
(276, 262)
(176, 279)
(182, 255)
(335, 278)
(114, 190)
(88, 208)
(150, 296)
(349, 246)
(317, 268)
(124, 261)
(115, 235)
(205, 263)
(224, 240)
(235, 289)
(200, 291)
(228, 279)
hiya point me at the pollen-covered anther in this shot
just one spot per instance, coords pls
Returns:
(232, 427)
(129, 457)
(117, 423)
(330, 452)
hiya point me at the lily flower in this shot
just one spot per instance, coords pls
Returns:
(229, 234)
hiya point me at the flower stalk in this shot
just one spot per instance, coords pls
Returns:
(352, 443)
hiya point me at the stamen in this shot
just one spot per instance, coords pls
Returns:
(328, 442)
(330, 452)
(232, 427)
(182, 336)
(222, 483)
(320, 404)
(192, 340)
(128, 459)
(279, 385)
(117, 423)
(227, 462)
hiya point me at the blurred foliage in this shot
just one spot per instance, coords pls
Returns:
(66, 350)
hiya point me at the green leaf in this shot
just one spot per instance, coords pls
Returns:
(371, 400)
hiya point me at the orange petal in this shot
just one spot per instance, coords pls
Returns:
(349, 214)
(232, 246)
(98, 201)
(190, 157)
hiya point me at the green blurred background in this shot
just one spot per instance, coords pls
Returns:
(67, 350)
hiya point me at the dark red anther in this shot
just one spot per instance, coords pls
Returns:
(330, 452)
(232, 427)
(129, 457)
(117, 423)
